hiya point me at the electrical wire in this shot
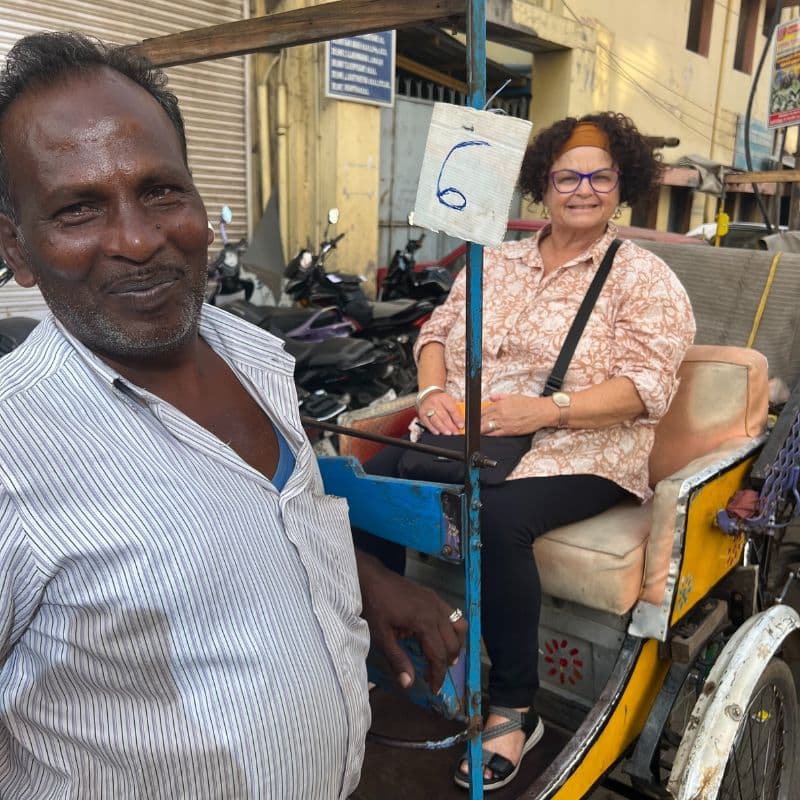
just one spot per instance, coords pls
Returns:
(662, 104)
(653, 98)
(658, 102)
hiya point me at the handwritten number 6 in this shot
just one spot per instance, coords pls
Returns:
(452, 197)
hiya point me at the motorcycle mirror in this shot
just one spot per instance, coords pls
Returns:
(5, 273)
(306, 260)
(333, 216)
(226, 215)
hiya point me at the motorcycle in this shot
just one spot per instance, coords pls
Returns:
(327, 359)
(225, 282)
(354, 370)
(226, 288)
(404, 280)
(394, 324)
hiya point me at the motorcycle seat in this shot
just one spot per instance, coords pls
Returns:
(340, 353)
(288, 319)
(383, 309)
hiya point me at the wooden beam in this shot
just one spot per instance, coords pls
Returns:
(773, 176)
(422, 71)
(300, 26)
(680, 176)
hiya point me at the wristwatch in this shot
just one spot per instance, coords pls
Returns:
(563, 401)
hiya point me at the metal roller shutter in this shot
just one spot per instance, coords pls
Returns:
(212, 93)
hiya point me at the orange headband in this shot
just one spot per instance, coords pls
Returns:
(586, 134)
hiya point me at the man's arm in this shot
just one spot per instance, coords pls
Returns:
(396, 608)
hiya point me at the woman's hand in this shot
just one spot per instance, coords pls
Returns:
(516, 414)
(439, 413)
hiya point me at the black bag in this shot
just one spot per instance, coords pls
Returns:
(507, 451)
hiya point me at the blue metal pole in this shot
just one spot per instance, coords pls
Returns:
(476, 79)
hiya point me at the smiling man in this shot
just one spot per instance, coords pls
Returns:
(179, 600)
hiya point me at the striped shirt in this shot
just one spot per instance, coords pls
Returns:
(171, 625)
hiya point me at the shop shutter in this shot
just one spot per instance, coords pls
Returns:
(211, 93)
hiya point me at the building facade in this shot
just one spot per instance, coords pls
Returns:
(682, 70)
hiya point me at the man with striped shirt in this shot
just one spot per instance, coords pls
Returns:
(179, 600)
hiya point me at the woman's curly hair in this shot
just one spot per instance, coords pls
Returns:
(640, 166)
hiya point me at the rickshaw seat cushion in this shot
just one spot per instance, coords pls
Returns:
(597, 562)
(665, 512)
(386, 419)
(723, 394)
(612, 560)
(721, 404)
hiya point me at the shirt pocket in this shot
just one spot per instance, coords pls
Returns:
(328, 541)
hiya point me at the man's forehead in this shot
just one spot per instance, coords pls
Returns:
(81, 108)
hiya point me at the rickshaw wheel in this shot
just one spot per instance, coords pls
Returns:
(761, 763)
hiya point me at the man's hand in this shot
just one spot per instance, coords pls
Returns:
(396, 608)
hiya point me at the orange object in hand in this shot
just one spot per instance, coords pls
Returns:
(462, 408)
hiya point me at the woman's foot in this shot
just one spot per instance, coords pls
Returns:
(517, 732)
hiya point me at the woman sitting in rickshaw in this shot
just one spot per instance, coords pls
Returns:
(591, 440)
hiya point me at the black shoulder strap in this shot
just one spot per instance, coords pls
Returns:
(556, 378)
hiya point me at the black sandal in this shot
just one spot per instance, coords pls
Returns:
(504, 771)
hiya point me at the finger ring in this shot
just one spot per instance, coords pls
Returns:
(431, 413)
(456, 615)
(492, 424)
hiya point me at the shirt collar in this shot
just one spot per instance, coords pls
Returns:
(215, 324)
(107, 374)
(593, 253)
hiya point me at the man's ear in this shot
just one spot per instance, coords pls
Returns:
(13, 252)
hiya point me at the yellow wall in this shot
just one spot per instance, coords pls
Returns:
(332, 157)
(625, 56)
(667, 88)
(642, 68)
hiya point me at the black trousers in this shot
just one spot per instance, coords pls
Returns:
(512, 516)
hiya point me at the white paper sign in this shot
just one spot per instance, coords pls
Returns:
(469, 170)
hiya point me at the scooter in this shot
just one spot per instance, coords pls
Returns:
(403, 280)
(225, 282)
(310, 284)
(394, 324)
(356, 371)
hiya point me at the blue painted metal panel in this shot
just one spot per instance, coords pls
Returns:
(407, 512)
(448, 701)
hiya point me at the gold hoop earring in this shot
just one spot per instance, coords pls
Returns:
(545, 212)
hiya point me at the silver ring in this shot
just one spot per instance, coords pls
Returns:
(456, 615)
(492, 424)
(431, 413)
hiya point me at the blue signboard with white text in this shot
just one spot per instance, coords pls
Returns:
(361, 68)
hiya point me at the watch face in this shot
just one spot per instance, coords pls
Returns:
(561, 399)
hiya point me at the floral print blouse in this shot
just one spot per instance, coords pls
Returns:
(640, 329)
